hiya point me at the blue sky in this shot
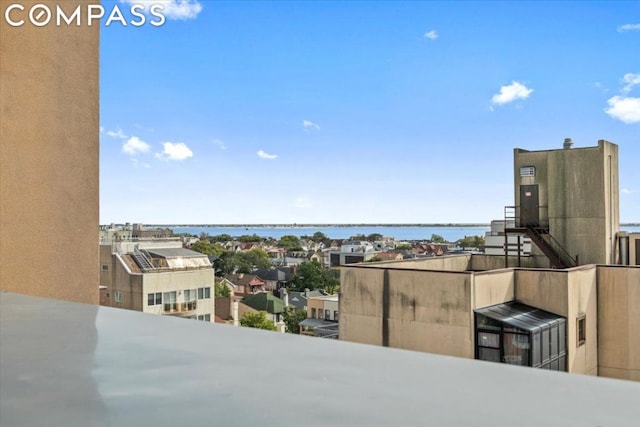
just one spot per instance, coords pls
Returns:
(357, 112)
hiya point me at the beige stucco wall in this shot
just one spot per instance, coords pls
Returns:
(582, 299)
(426, 312)
(493, 287)
(619, 322)
(443, 263)
(49, 127)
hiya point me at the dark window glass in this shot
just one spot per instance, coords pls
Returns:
(554, 341)
(150, 299)
(487, 339)
(327, 314)
(207, 318)
(562, 364)
(488, 323)
(313, 313)
(200, 293)
(545, 345)
(158, 298)
(207, 293)
(535, 350)
(561, 337)
(516, 349)
(489, 354)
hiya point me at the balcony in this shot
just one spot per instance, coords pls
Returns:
(65, 364)
(181, 309)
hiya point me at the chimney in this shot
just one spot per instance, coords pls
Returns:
(568, 144)
(306, 292)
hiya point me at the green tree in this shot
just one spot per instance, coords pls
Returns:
(471, 242)
(247, 238)
(247, 261)
(221, 290)
(318, 237)
(358, 237)
(436, 238)
(208, 248)
(290, 242)
(374, 236)
(221, 238)
(374, 259)
(292, 318)
(403, 247)
(257, 320)
(311, 275)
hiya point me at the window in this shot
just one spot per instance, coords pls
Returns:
(170, 301)
(528, 171)
(581, 327)
(105, 267)
(154, 299)
(313, 313)
(204, 293)
(335, 315)
(117, 296)
(327, 314)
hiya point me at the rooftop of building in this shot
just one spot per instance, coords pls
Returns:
(68, 364)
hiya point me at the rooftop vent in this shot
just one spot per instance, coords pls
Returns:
(568, 144)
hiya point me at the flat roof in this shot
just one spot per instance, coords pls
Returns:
(65, 364)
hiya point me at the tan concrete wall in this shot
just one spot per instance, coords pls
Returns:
(496, 262)
(426, 311)
(544, 289)
(582, 300)
(361, 304)
(442, 263)
(49, 127)
(494, 287)
(619, 322)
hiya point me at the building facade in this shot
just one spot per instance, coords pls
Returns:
(159, 278)
(49, 103)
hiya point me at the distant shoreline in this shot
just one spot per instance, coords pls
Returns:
(452, 225)
(470, 225)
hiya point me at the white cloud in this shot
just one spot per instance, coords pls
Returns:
(219, 144)
(631, 80)
(626, 191)
(629, 27)
(625, 109)
(264, 155)
(101, 129)
(302, 203)
(117, 134)
(175, 151)
(173, 9)
(310, 124)
(431, 35)
(510, 93)
(135, 145)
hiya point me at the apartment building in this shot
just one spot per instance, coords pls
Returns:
(158, 277)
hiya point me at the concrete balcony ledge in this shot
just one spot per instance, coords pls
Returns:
(65, 364)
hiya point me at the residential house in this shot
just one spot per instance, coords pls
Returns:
(275, 278)
(245, 284)
(268, 302)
